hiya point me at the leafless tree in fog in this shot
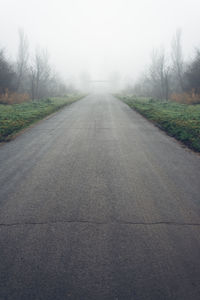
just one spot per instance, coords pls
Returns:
(192, 74)
(7, 74)
(177, 61)
(22, 61)
(40, 72)
(56, 85)
(159, 75)
(31, 77)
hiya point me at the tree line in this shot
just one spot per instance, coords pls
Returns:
(28, 75)
(170, 76)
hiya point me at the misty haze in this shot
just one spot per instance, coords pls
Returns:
(99, 150)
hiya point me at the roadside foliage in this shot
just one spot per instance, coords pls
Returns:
(181, 121)
(15, 117)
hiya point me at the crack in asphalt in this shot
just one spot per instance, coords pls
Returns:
(118, 222)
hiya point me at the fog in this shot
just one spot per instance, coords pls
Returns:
(99, 38)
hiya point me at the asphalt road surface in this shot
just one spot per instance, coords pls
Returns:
(97, 203)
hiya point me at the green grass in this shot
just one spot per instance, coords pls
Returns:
(16, 117)
(178, 120)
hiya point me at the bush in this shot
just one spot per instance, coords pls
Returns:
(186, 98)
(13, 98)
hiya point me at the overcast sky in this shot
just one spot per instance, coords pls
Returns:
(100, 36)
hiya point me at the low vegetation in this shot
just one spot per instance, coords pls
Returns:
(181, 121)
(15, 117)
(186, 97)
(13, 98)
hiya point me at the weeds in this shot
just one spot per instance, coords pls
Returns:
(178, 120)
(186, 98)
(15, 117)
(13, 98)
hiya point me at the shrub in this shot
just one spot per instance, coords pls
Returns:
(186, 98)
(13, 98)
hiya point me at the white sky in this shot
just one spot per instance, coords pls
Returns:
(99, 36)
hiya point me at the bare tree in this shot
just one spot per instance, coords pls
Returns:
(192, 74)
(7, 74)
(40, 72)
(177, 60)
(56, 85)
(159, 75)
(143, 86)
(32, 78)
(22, 60)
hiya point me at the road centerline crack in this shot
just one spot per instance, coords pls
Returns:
(116, 222)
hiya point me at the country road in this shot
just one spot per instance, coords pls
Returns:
(97, 203)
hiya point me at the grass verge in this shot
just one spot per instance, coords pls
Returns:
(181, 121)
(16, 117)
